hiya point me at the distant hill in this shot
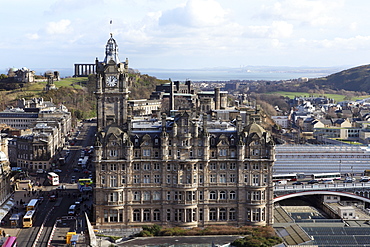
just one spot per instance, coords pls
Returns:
(354, 79)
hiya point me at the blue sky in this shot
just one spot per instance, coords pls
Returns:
(186, 34)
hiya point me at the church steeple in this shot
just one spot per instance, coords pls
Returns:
(111, 51)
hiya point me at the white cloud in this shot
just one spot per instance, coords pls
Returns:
(281, 29)
(195, 13)
(312, 12)
(277, 29)
(32, 36)
(352, 43)
(60, 27)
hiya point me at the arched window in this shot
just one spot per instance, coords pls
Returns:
(136, 196)
(222, 195)
(212, 214)
(212, 195)
(232, 214)
(222, 214)
(146, 215)
(136, 215)
(156, 215)
(232, 195)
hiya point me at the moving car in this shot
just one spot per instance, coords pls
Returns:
(297, 183)
(329, 181)
(313, 181)
(348, 180)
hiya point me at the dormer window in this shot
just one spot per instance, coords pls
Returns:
(232, 141)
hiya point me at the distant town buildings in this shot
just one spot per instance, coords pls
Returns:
(22, 75)
(42, 128)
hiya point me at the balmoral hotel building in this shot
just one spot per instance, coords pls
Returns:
(185, 169)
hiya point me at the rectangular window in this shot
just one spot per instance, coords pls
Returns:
(103, 167)
(113, 197)
(102, 179)
(265, 178)
(255, 195)
(157, 179)
(256, 181)
(232, 178)
(223, 166)
(146, 179)
(156, 167)
(146, 152)
(113, 167)
(136, 179)
(200, 195)
(113, 153)
(222, 178)
(212, 178)
(113, 181)
(146, 167)
(123, 181)
(146, 196)
(136, 166)
(156, 195)
(212, 166)
(223, 152)
(232, 166)
(168, 181)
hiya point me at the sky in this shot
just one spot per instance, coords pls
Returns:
(185, 34)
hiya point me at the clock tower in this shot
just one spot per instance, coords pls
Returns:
(111, 88)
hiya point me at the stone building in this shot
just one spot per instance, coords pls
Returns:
(5, 187)
(22, 75)
(189, 170)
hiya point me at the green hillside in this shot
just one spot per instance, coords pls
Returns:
(354, 79)
(77, 94)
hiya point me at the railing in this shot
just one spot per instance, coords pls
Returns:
(321, 186)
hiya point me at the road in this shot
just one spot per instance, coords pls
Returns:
(48, 213)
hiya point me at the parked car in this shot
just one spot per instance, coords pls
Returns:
(313, 181)
(348, 180)
(57, 170)
(297, 183)
(364, 180)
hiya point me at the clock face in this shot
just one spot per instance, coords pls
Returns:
(111, 80)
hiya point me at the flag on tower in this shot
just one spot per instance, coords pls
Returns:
(110, 21)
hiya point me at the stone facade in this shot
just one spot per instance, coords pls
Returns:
(190, 170)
